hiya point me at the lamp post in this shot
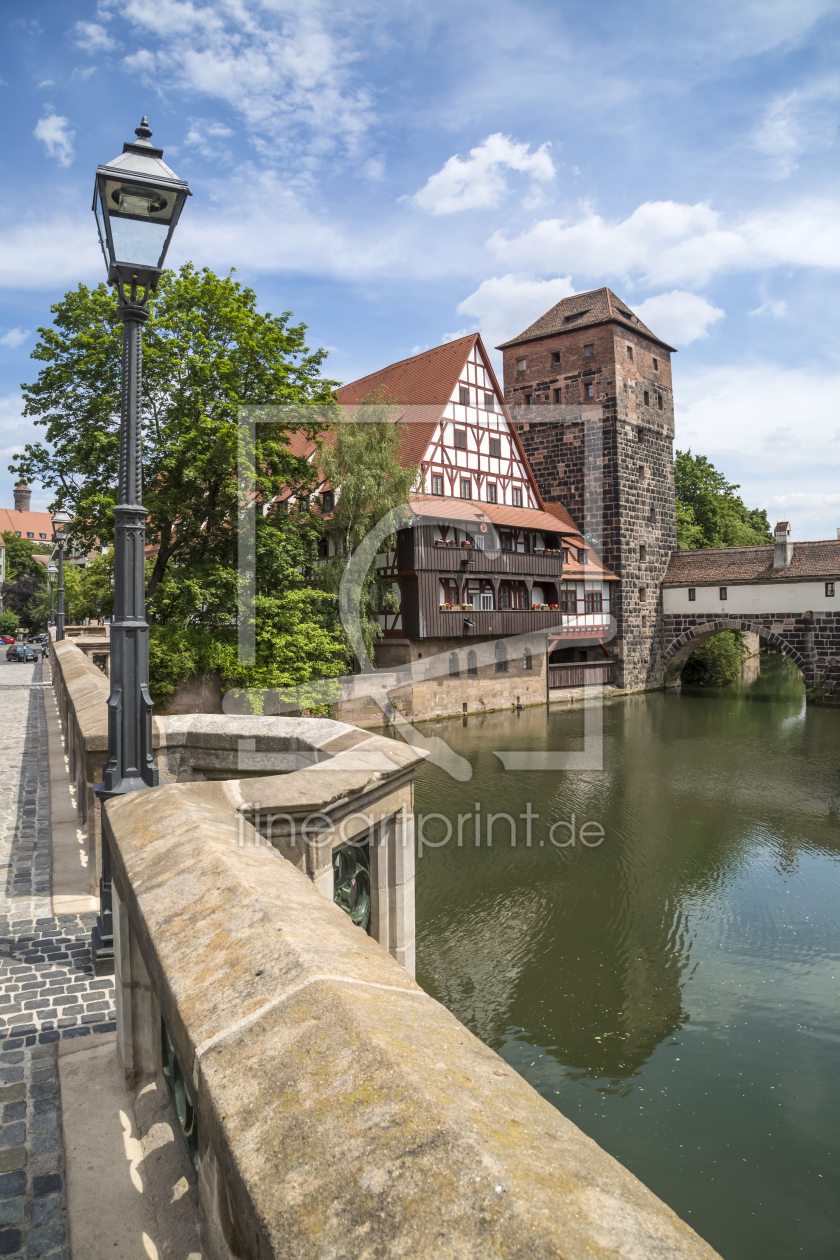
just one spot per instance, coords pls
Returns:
(137, 201)
(52, 572)
(60, 522)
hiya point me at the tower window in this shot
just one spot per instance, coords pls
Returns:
(642, 551)
(558, 395)
(589, 391)
(490, 402)
(517, 497)
(692, 595)
(647, 398)
(464, 395)
(659, 401)
(643, 594)
(589, 350)
(640, 435)
(829, 589)
(461, 439)
(527, 400)
(630, 353)
(466, 488)
(437, 484)
(656, 365)
(723, 592)
(495, 448)
(642, 472)
(652, 514)
(555, 358)
(644, 621)
(521, 365)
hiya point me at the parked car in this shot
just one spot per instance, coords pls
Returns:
(7, 638)
(22, 652)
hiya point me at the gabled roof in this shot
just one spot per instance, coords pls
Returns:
(35, 522)
(713, 565)
(584, 310)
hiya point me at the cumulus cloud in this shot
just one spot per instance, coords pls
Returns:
(776, 309)
(664, 242)
(478, 181)
(92, 38)
(14, 337)
(504, 306)
(46, 254)
(679, 317)
(283, 68)
(54, 133)
(797, 122)
(204, 135)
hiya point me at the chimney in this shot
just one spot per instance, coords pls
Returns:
(784, 546)
(23, 497)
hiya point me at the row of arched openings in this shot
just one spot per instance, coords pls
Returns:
(501, 661)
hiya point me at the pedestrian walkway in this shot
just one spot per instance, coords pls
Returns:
(48, 991)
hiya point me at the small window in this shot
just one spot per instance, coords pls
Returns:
(527, 659)
(454, 671)
(464, 395)
(555, 358)
(589, 391)
(521, 365)
(558, 395)
(644, 621)
(589, 351)
(642, 472)
(656, 365)
(517, 497)
(30, 534)
(328, 500)
(472, 664)
(581, 555)
(489, 402)
(495, 448)
(466, 488)
(527, 400)
(437, 484)
(17, 533)
(692, 594)
(723, 592)
(640, 435)
(501, 658)
(643, 594)
(592, 601)
(642, 551)
(647, 398)
(461, 439)
(630, 353)
(491, 492)
(652, 516)
(829, 589)
(659, 402)
(42, 535)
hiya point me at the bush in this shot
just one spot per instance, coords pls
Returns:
(717, 662)
(9, 622)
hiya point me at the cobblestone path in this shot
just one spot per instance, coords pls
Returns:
(47, 987)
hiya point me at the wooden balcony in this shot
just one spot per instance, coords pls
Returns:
(580, 673)
(435, 623)
(417, 552)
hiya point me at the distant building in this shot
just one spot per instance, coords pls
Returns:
(35, 526)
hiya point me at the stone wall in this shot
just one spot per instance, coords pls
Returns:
(338, 1109)
(813, 642)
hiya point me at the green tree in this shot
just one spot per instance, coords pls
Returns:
(717, 662)
(709, 512)
(363, 463)
(20, 556)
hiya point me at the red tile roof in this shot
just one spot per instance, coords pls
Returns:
(24, 522)
(584, 310)
(713, 565)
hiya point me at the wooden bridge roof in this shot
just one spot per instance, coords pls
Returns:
(722, 565)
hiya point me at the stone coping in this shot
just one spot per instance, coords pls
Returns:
(341, 1110)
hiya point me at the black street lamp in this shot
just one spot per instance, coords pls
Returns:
(52, 572)
(137, 201)
(60, 522)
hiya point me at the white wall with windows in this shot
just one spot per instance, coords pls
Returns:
(754, 597)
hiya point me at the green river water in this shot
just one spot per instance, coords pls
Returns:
(673, 991)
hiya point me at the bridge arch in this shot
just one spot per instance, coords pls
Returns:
(681, 647)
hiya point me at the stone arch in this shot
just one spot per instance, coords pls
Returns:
(678, 652)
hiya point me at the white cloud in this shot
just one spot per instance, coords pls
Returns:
(14, 337)
(504, 306)
(664, 242)
(283, 68)
(478, 182)
(46, 254)
(204, 135)
(776, 309)
(53, 132)
(80, 75)
(796, 122)
(679, 317)
(92, 38)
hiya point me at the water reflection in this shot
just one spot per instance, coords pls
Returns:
(640, 985)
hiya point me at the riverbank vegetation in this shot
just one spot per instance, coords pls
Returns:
(718, 661)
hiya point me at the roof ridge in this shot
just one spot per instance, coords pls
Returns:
(430, 350)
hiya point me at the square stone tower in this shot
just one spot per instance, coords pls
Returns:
(614, 474)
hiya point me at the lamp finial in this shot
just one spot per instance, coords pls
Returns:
(143, 132)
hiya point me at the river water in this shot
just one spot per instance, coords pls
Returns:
(674, 990)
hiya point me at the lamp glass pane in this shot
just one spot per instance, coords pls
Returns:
(137, 242)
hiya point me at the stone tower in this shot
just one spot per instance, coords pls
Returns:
(614, 474)
(23, 497)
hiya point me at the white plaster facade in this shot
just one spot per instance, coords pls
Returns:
(783, 596)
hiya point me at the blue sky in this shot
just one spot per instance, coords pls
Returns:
(398, 174)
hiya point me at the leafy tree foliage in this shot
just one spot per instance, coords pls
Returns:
(717, 662)
(709, 512)
(20, 553)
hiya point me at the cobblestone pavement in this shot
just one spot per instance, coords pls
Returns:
(47, 987)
